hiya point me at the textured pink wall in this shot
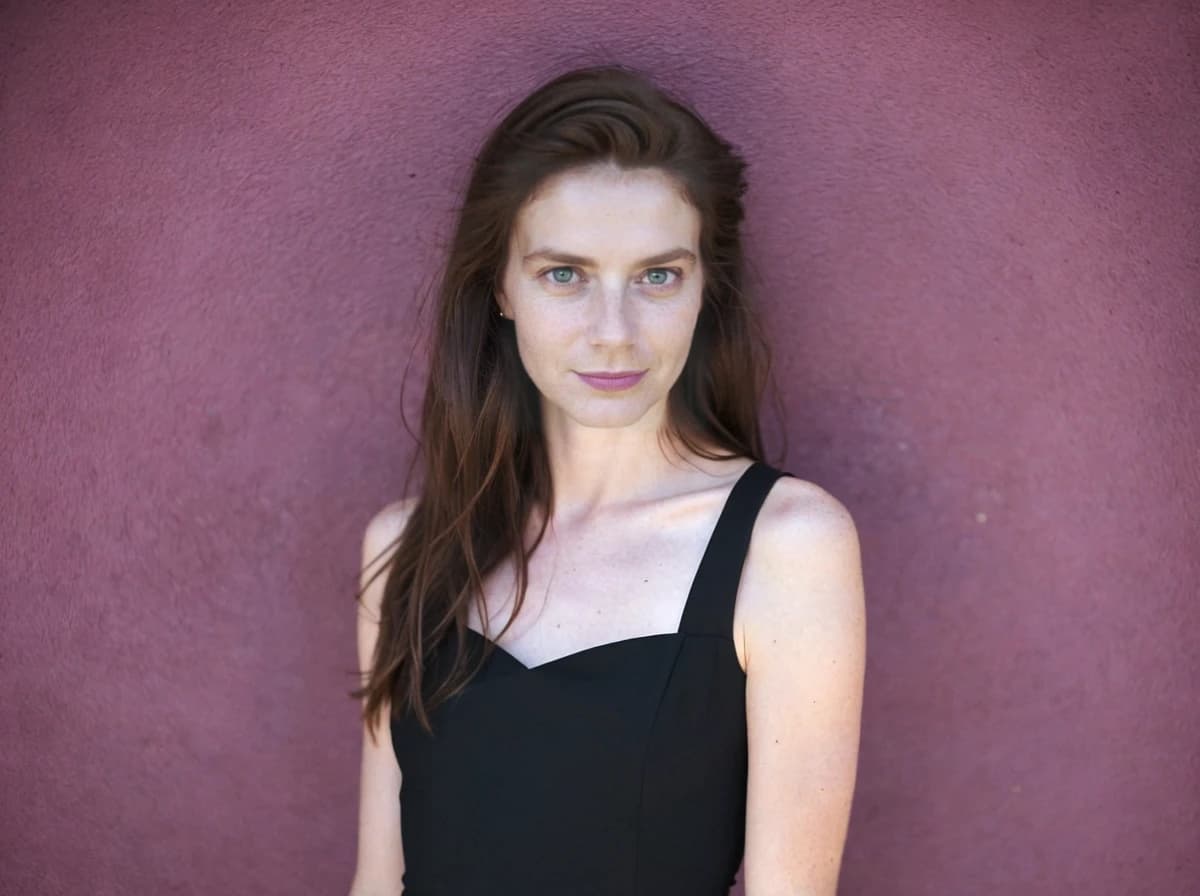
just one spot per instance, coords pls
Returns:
(976, 227)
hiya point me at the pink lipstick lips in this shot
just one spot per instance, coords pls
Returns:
(612, 382)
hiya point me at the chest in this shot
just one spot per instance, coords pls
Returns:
(599, 584)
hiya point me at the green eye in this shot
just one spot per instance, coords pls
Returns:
(561, 280)
(663, 276)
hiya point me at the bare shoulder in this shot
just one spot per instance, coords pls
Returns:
(388, 523)
(798, 509)
(379, 543)
(804, 568)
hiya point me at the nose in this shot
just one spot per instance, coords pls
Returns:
(611, 321)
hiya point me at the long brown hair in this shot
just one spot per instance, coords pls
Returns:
(480, 447)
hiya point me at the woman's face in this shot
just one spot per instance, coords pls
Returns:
(604, 276)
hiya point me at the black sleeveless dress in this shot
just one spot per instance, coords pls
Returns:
(617, 770)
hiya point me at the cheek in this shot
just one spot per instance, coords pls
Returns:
(683, 328)
(539, 343)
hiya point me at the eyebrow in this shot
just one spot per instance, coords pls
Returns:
(567, 258)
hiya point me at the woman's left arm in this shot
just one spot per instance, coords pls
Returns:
(805, 653)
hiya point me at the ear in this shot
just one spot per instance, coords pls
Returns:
(502, 303)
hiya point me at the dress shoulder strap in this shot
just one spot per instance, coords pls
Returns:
(710, 602)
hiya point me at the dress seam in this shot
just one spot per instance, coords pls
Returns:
(637, 836)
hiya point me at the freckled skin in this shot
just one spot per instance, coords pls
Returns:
(613, 314)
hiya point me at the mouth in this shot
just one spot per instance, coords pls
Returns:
(611, 381)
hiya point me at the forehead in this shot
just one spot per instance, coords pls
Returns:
(611, 210)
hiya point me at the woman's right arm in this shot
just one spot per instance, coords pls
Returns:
(380, 860)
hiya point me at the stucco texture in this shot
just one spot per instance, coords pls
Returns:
(974, 232)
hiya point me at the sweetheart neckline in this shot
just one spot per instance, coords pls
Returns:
(595, 648)
(598, 648)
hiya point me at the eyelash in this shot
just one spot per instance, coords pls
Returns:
(678, 272)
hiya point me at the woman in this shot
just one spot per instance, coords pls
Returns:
(595, 681)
